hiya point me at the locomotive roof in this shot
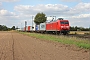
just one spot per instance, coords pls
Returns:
(56, 20)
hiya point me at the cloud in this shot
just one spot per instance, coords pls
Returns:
(82, 20)
(79, 9)
(49, 9)
(0, 3)
(8, 18)
(54, 9)
(82, 16)
(82, 7)
(6, 13)
(78, 15)
(71, 0)
(8, 0)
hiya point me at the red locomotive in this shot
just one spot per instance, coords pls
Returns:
(59, 26)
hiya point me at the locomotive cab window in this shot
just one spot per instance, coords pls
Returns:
(64, 22)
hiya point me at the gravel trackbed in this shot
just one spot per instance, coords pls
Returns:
(15, 46)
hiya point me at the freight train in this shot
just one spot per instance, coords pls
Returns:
(58, 26)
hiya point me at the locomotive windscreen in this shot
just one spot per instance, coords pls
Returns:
(64, 22)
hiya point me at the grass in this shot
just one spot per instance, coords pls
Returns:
(79, 32)
(82, 43)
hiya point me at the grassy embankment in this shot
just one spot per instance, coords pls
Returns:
(82, 43)
(79, 32)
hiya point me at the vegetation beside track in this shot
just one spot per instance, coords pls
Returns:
(79, 32)
(82, 43)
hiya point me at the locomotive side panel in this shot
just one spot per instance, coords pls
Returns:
(53, 26)
(48, 26)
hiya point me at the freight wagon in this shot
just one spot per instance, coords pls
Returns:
(41, 28)
(28, 28)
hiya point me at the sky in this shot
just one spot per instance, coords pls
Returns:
(16, 12)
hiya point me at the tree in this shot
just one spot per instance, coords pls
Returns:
(78, 28)
(72, 28)
(40, 18)
(0, 27)
(13, 28)
(3, 28)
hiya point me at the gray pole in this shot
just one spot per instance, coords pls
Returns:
(21, 26)
(25, 25)
(32, 23)
(55, 17)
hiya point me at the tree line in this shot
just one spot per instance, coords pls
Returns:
(5, 28)
(75, 28)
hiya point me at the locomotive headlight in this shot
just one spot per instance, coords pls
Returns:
(62, 26)
(67, 27)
